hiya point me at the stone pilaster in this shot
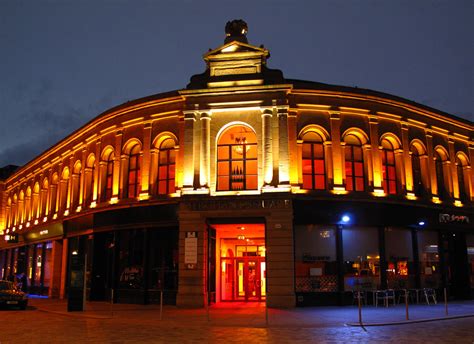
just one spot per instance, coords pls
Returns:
(205, 150)
(267, 155)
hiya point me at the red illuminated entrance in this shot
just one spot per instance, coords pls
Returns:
(241, 266)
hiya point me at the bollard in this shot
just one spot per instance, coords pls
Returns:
(111, 302)
(446, 301)
(266, 312)
(406, 305)
(206, 300)
(161, 305)
(360, 307)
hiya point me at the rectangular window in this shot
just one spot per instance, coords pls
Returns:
(315, 258)
(470, 257)
(430, 273)
(361, 258)
(399, 257)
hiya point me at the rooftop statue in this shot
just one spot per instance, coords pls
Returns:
(236, 30)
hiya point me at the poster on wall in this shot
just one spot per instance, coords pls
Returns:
(190, 250)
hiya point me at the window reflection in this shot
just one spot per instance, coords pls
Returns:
(361, 258)
(429, 259)
(316, 260)
(399, 257)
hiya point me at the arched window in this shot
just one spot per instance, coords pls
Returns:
(35, 201)
(28, 204)
(108, 176)
(8, 220)
(389, 180)
(89, 173)
(462, 166)
(15, 216)
(417, 152)
(53, 193)
(133, 181)
(441, 158)
(44, 198)
(314, 172)
(63, 189)
(237, 159)
(21, 207)
(165, 183)
(354, 163)
(76, 181)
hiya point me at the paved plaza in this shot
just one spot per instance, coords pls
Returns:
(47, 321)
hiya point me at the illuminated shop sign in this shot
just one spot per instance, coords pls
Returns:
(450, 218)
(11, 238)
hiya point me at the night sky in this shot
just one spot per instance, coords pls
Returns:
(62, 63)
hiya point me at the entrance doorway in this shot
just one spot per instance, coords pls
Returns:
(456, 262)
(241, 266)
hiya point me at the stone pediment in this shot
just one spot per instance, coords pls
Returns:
(236, 63)
(236, 58)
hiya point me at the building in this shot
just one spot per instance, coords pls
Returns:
(247, 186)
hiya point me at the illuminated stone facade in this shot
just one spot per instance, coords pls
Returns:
(242, 144)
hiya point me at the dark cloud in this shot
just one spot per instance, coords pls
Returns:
(63, 64)
(21, 153)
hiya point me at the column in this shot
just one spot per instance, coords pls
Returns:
(335, 123)
(146, 161)
(400, 170)
(117, 184)
(293, 150)
(27, 208)
(431, 164)
(188, 148)
(48, 209)
(283, 160)
(280, 257)
(267, 154)
(96, 177)
(328, 154)
(57, 189)
(70, 184)
(205, 150)
(192, 280)
(454, 171)
(82, 181)
(407, 159)
(64, 252)
(368, 165)
(56, 269)
(376, 160)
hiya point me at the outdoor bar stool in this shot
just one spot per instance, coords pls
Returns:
(430, 293)
(401, 295)
(414, 295)
(358, 294)
(381, 295)
(390, 295)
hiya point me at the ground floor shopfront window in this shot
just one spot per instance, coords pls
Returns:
(316, 260)
(39, 267)
(133, 266)
(361, 258)
(29, 266)
(399, 257)
(470, 257)
(430, 273)
(334, 259)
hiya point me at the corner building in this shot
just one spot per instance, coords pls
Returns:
(247, 186)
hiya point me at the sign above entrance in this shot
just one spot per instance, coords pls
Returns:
(239, 204)
(190, 250)
(449, 218)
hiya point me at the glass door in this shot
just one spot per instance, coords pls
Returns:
(251, 281)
